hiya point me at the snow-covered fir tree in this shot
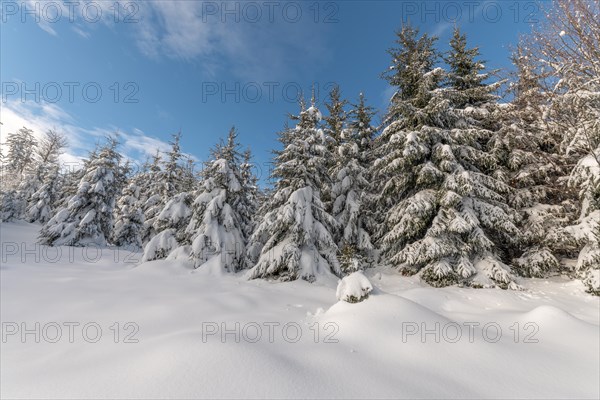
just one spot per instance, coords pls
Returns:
(332, 123)
(216, 230)
(296, 234)
(360, 121)
(44, 200)
(129, 219)
(166, 178)
(70, 182)
(170, 223)
(485, 194)
(17, 186)
(189, 180)
(530, 162)
(29, 184)
(166, 207)
(42, 184)
(12, 205)
(249, 199)
(445, 215)
(123, 175)
(27, 165)
(350, 189)
(151, 199)
(88, 215)
(585, 233)
(404, 209)
(46, 153)
(566, 46)
(200, 213)
(173, 172)
(335, 120)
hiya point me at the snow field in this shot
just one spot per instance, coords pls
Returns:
(196, 334)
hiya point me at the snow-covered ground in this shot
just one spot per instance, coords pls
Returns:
(311, 346)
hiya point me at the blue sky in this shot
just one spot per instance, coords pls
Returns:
(201, 67)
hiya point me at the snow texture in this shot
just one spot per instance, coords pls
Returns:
(363, 350)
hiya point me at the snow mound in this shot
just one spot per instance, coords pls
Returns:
(354, 288)
(551, 316)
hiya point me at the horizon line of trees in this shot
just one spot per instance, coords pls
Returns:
(453, 185)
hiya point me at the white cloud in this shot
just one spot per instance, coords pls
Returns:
(262, 51)
(135, 145)
(177, 29)
(78, 30)
(138, 141)
(48, 28)
(270, 49)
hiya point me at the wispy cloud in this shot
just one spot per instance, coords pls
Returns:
(81, 32)
(257, 51)
(50, 15)
(180, 30)
(176, 29)
(135, 144)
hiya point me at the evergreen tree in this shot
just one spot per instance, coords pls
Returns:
(531, 164)
(361, 116)
(173, 172)
(166, 217)
(30, 183)
(350, 189)
(585, 232)
(151, 198)
(170, 224)
(42, 180)
(123, 175)
(466, 77)
(190, 181)
(478, 125)
(129, 219)
(88, 216)
(12, 205)
(166, 179)
(70, 183)
(405, 210)
(249, 199)
(334, 124)
(44, 200)
(216, 230)
(566, 47)
(335, 120)
(295, 235)
(445, 215)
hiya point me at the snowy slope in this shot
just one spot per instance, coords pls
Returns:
(375, 355)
